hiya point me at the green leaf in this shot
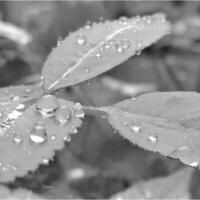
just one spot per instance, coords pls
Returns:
(95, 49)
(33, 137)
(175, 186)
(165, 122)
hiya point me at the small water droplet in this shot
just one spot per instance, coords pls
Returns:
(98, 55)
(88, 25)
(106, 46)
(17, 138)
(45, 161)
(81, 39)
(67, 138)
(79, 113)
(139, 44)
(125, 123)
(119, 48)
(194, 164)
(153, 137)
(15, 98)
(74, 130)
(47, 105)
(126, 43)
(53, 137)
(59, 42)
(135, 128)
(63, 115)
(38, 134)
(123, 20)
(20, 107)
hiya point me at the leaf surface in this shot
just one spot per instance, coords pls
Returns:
(32, 138)
(165, 122)
(95, 49)
(175, 186)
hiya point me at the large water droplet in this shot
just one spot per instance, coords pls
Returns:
(63, 115)
(38, 134)
(47, 105)
(153, 137)
(15, 98)
(81, 39)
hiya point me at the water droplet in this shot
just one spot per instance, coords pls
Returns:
(53, 137)
(14, 115)
(15, 98)
(74, 130)
(126, 43)
(119, 48)
(20, 107)
(135, 128)
(81, 39)
(47, 105)
(98, 55)
(88, 25)
(139, 44)
(153, 137)
(38, 134)
(194, 164)
(45, 161)
(59, 42)
(17, 138)
(123, 20)
(106, 46)
(67, 138)
(63, 115)
(79, 113)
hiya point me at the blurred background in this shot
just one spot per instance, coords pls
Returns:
(98, 163)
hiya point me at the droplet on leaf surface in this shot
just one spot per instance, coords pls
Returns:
(47, 105)
(153, 137)
(63, 115)
(81, 39)
(38, 134)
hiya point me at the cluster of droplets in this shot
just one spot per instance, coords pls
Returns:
(136, 128)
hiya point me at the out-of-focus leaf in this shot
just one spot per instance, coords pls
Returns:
(167, 123)
(175, 186)
(95, 49)
(29, 138)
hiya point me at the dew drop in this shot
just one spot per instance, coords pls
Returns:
(14, 115)
(17, 138)
(15, 98)
(153, 137)
(88, 25)
(45, 161)
(126, 44)
(106, 46)
(59, 42)
(20, 107)
(38, 134)
(98, 55)
(63, 115)
(194, 164)
(135, 128)
(139, 44)
(81, 40)
(123, 20)
(79, 113)
(67, 138)
(74, 130)
(119, 48)
(47, 105)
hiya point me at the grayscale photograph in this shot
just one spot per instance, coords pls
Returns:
(99, 100)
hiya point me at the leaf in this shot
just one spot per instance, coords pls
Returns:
(92, 50)
(17, 194)
(33, 137)
(166, 122)
(175, 186)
